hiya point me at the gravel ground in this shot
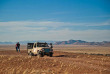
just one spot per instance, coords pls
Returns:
(12, 62)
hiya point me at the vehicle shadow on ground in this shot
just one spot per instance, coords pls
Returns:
(73, 56)
(61, 56)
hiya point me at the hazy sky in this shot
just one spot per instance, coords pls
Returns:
(54, 20)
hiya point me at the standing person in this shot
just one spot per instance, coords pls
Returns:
(18, 46)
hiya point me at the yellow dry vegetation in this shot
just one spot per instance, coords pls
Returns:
(66, 60)
(83, 49)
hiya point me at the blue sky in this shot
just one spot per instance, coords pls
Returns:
(54, 20)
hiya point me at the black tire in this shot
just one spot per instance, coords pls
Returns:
(40, 54)
(51, 54)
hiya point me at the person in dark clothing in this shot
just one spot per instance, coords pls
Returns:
(18, 47)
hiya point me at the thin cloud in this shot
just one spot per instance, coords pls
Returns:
(101, 16)
(50, 30)
(27, 26)
(65, 34)
(50, 23)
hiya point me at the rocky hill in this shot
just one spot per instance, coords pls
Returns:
(73, 42)
(80, 42)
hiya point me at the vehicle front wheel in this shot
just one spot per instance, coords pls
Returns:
(51, 54)
(40, 54)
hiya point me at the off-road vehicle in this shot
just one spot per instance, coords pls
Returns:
(39, 49)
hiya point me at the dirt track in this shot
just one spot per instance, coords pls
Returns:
(12, 62)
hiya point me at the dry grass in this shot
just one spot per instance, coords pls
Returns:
(64, 62)
(25, 65)
(83, 49)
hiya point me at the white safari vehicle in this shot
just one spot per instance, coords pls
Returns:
(39, 49)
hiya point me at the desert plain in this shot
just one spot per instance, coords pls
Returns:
(67, 59)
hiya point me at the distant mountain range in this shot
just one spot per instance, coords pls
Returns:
(72, 42)
(80, 42)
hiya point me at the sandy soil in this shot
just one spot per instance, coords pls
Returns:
(90, 49)
(12, 62)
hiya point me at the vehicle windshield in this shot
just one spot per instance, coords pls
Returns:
(42, 45)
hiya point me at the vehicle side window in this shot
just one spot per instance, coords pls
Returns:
(35, 46)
